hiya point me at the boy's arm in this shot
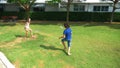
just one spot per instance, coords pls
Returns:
(62, 36)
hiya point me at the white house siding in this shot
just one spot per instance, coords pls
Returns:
(40, 1)
(89, 4)
(118, 6)
(3, 1)
(11, 7)
(51, 7)
(64, 9)
(91, 7)
(88, 7)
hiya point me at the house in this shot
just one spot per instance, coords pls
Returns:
(5, 6)
(2, 2)
(76, 6)
(91, 6)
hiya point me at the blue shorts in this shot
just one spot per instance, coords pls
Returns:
(68, 41)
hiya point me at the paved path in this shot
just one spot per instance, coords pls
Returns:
(1, 64)
(4, 62)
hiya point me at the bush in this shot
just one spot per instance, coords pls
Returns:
(61, 16)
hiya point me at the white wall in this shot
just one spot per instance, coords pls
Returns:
(10, 7)
(49, 7)
(89, 6)
(92, 1)
(3, 1)
(40, 1)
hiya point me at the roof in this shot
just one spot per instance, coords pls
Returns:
(40, 1)
(3, 1)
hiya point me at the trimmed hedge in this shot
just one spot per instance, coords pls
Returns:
(61, 16)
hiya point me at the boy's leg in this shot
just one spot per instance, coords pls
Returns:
(69, 51)
(69, 44)
(64, 45)
(63, 42)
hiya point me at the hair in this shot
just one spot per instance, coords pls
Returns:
(66, 25)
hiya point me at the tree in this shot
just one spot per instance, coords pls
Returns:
(12, 1)
(114, 8)
(67, 3)
(68, 10)
(25, 4)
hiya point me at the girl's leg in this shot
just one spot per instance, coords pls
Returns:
(31, 33)
(26, 33)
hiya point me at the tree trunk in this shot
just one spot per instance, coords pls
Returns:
(112, 14)
(68, 10)
(27, 13)
(114, 8)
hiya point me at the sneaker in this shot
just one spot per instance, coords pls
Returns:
(69, 53)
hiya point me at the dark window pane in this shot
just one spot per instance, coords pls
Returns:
(96, 8)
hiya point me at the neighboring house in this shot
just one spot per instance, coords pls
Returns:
(91, 6)
(38, 6)
(76, 6)
(2, 2)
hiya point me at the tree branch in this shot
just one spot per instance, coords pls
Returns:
(21, 4)
(32, 3)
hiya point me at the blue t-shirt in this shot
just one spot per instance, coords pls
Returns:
(68, 32)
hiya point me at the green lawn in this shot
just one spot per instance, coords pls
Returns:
(93, 46)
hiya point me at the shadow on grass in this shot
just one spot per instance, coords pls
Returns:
(52, 48)
(19, 36)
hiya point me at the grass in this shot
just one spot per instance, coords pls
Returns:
(93, 46)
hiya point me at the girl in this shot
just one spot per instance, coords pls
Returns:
(27, 27)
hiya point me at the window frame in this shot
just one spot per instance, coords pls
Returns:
(79, 8)
(100, 8)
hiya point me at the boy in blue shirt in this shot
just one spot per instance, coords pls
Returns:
(67, 36)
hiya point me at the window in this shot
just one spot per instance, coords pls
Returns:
(75, 7)
(81, 0)
(103, 0)
(39, 7)
(96, 8)
(78, 7)
(106, 0)
(100, 8)
(104, 8)
(1, 8)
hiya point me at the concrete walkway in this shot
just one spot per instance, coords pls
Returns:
(1, 64)
(4, 62)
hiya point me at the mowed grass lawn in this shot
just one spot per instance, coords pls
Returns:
(93, 45)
